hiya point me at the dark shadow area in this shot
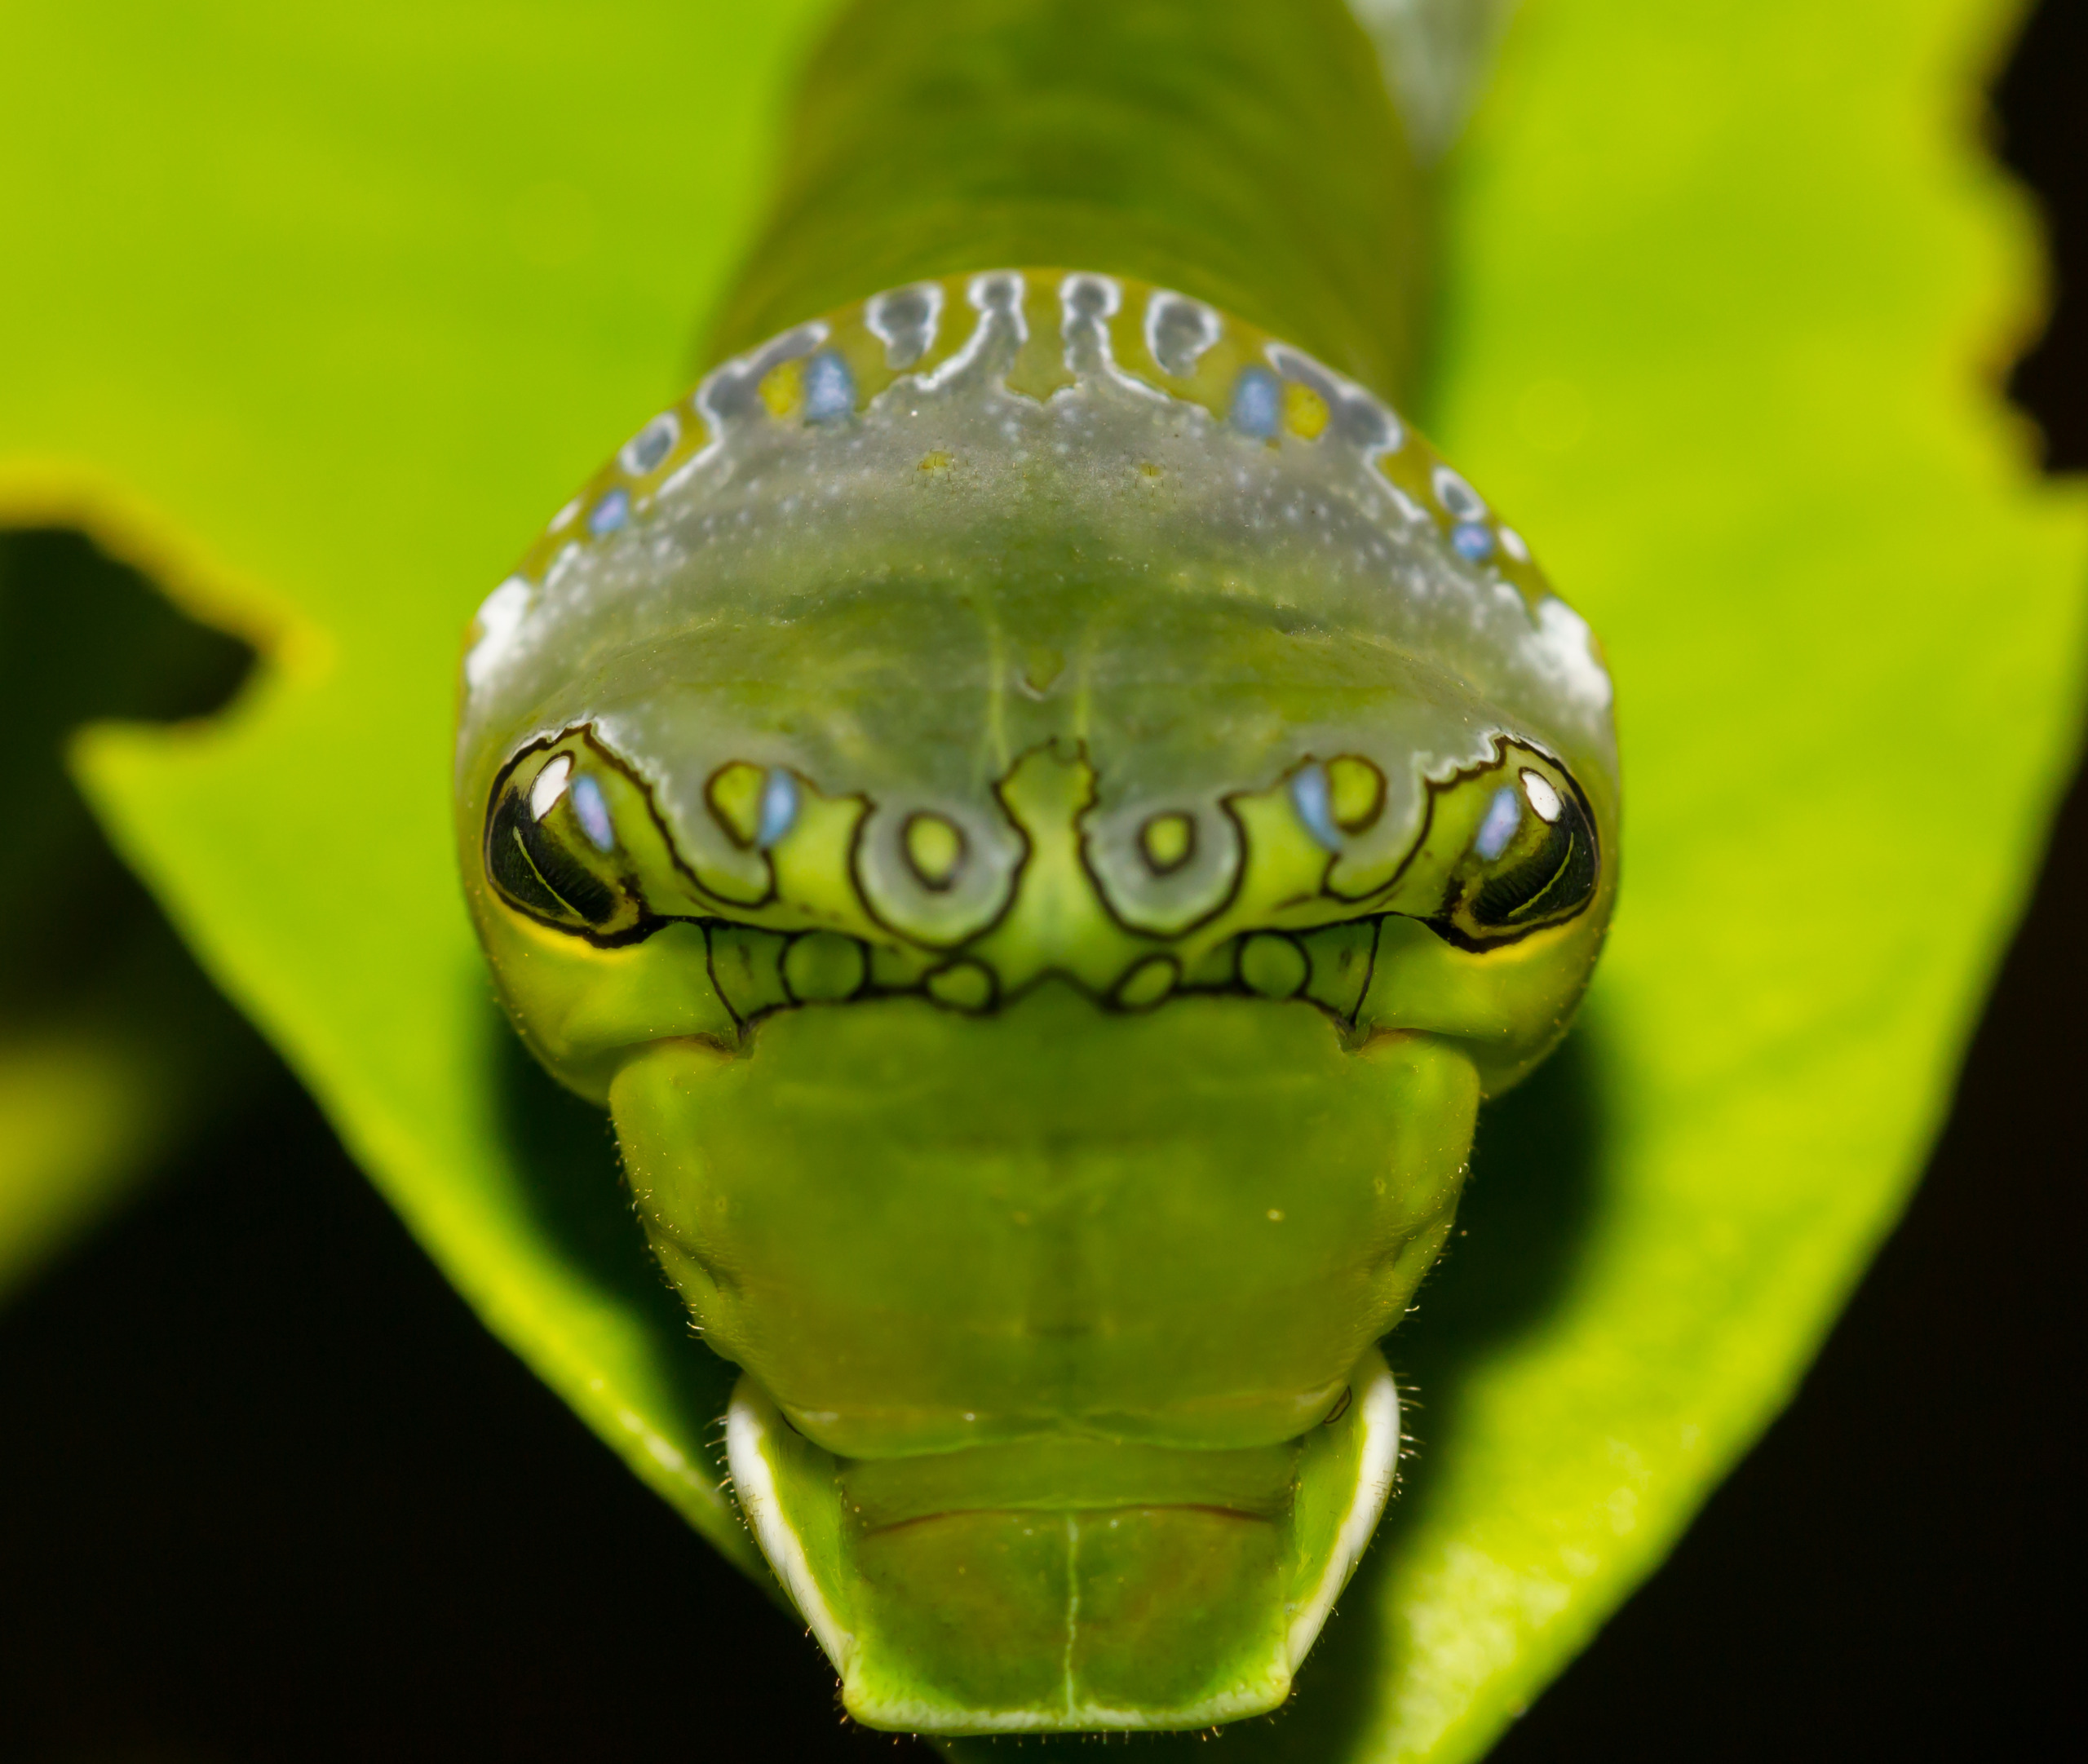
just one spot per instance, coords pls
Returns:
(1895, 1571)
(2044, 136)
(1529, 1207)
(566, 1150)
(268, 1491)
(87, 962)
(81, 638)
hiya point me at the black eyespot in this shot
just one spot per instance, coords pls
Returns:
(1533, 862)
(1555, 878)
(534, 859)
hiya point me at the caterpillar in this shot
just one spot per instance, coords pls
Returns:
(1041, 806)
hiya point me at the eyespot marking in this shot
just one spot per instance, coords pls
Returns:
(935, 848)
(779, 807)
(1167, 841)
(830, 388)
(1312, 798)
(1504, 815)
(1471, 541)
(1542, 797)
(592, 810)
(549, 786)
(1256, 397)
(643, 452)
(611, 513)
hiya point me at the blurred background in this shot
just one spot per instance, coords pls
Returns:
(268, 1489)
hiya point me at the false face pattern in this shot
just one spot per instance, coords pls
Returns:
(1041, 810)
(1027, 624)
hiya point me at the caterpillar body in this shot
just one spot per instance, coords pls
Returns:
(1042, 805)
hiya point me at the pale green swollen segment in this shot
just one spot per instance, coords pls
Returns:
(1042, 810)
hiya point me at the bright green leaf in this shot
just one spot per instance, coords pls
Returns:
(323, 313)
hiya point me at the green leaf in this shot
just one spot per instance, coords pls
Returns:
(317, 314)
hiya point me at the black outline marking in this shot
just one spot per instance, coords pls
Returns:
(1116, 1000)
(1304, 978)
(647, 920)
(717, 814)
(1353, 828)
(792, 939)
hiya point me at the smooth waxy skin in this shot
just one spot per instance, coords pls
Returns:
(1042, 808)
(1245, 153)
(907, 1266)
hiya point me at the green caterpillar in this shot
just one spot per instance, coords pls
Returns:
(1042, 807)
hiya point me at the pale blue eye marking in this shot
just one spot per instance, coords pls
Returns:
(1471, 542)
(1310, 796)
(594, 814)
(1460, 500)
(779, 807)
(644, 450)
(1504, 815)
(1254, 403)
(609, 514)
(830, 388)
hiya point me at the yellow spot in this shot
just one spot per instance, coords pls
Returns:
(1166, 840)
(1304, 411)
(962, 986)
(783, 388)
(1147, 469)
(1356, 791)
(734, 793)
(1271, 965)
(934, 848)
(1276, 1215)
(936, 461)
(1148, 983)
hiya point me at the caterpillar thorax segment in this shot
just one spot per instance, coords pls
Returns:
(895, 556)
